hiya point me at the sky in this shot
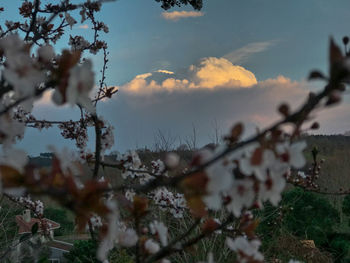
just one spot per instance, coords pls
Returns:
(235, 60)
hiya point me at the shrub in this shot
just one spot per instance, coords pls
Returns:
(346, 205)
(312, 216)
(60, 216)
(83, 251)
(339, 245)
(302, 214)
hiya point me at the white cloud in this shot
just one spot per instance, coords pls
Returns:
(176, 15)
(242, 54)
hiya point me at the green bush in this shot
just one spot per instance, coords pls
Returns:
(304, 215)
(83, 251)
(60, 216)
(310, 216)
(340, 247)
(346, 205)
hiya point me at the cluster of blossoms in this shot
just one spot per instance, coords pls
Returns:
(21, 71)
(308, 179)
(78, 43)
(158, 167)
(175, 203)
(75, 131)
(130, 163)
(107, 137)
(29, 120)
(250, 176)
(36, 206)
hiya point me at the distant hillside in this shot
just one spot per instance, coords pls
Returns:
(335, 149)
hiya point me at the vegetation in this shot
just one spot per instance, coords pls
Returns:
(60, 216)
(84, 251)
(303, 217)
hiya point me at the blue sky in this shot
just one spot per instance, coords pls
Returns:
(269, 38)
(141, 41)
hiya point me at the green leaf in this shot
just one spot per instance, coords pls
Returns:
(35, 228)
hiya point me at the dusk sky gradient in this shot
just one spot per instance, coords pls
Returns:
(237, 60)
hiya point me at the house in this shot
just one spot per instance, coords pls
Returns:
(56, 248)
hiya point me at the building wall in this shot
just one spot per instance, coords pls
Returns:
(58, 253)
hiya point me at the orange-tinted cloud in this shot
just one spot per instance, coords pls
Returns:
(176, 15)
(84, 26)
(219, 72)
(209, 73)
(45, 99)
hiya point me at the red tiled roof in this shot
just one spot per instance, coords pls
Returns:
(26, 227)
(60, 245)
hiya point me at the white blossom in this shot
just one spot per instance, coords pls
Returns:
(70, 20)
(46, 53)
(107, 243)
(272, 188)
(172, 160)
(162, 231)
(152, 246)
(68, 160)
(241, 195)
(259, 170)
(129, 194)
(80, 83)
(220, 177)
(245, 248)
(96, 221)
(293, 153)
(14, 158)
(107, 138)
(302, 174)
(127, 238)
(20, 69)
